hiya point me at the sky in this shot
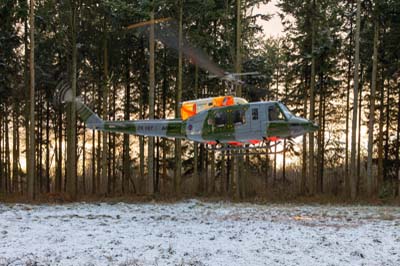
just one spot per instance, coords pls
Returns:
(273, 27)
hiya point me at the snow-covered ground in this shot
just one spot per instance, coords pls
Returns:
(198, 233)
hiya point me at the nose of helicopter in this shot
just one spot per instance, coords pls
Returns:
(308, 125)
(305, 124)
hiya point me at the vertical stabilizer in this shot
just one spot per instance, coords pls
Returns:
(64, 95)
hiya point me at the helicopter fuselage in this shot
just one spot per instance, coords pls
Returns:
(246, 124)
(237, 124)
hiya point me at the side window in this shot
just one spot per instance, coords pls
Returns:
(275, 114)
(239, 117)
(220, 118)
(254, 114)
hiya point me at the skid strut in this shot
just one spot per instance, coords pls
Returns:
(264, 148)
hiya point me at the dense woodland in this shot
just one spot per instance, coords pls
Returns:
(337, 63)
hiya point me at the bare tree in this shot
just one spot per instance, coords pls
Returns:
(353, 167)
(31, 147)
(71, 115)
(104, 154)
(178, 143)
(370, 178)
(150, 178)
(311, 162)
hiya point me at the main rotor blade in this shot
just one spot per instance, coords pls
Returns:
(170, 37)
(245, 74)
(145, 23)
(168, 34)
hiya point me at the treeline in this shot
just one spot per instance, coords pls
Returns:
(337, 63)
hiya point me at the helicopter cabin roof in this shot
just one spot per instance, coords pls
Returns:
(190, 108)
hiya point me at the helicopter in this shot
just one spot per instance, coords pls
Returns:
(222, 122)
(225, 121)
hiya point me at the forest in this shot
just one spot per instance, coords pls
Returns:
(336, 63)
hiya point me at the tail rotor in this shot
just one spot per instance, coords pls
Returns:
(63, 93)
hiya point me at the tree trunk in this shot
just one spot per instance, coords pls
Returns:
(71, 115)
(141, 151)
(178, 143)
(284, 163)
(104, 157)
(7, 155)
(212, 173)
(311, 160)
(98, 183)
(126, 174)
(142, 188)
(303, 182)
(27, 108)
(157, 177)
(322, 169)
(380, 137)
(84, 140)
(387, 160)
(2, 174)
(398, 142)
(240, 176)
(94, 187)
(370, 177)
(114, 141)
(359, 131)
(229, 178)
(195, 144)
(65, 162)
(349, 59)
(16, 151)
(59, 155)
(381, 167)
(200, 184)
(353, 188)
(206, 160)
(31, 157)
(223, 184)
(164, 115)
(47, 181)
(150, 152)
(387, 120)
(39, 142)
(319, 136)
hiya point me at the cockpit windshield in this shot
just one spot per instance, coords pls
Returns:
(285, 111)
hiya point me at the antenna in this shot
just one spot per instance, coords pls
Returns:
(231, 79)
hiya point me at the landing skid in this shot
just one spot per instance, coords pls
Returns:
(263, 148)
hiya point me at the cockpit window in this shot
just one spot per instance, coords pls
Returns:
(285, 110)
(220, 118)
(275, 113)
(254, 114)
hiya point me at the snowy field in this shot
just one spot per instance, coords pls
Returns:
(198, 233)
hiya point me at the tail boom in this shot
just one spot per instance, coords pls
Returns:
(173, 128)
(91, 119)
